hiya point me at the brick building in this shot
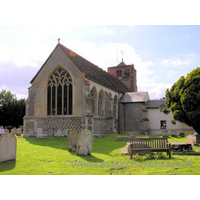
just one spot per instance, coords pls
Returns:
(126, 74)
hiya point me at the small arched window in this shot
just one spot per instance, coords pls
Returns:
(59, 93)
(94, 101)
(100, 103)
(115, 107)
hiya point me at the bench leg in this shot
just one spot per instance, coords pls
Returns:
(169, 150)
(170, 153)
(131, 155)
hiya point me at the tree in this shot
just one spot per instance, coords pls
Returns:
(12, 113)
(183, 100)
(5, 97)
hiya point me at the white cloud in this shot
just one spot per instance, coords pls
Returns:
(155, 90)
(176, 62)
(106, 31)
(109, 55)
(6, 53)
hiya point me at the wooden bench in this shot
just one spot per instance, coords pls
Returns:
(148, 145)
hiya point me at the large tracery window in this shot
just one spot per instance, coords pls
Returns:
(59, 93)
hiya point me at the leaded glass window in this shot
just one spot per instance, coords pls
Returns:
(60, 93)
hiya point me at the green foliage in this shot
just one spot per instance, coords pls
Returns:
(12, 113)
(166, 110)
(5, 97)
(183, 99)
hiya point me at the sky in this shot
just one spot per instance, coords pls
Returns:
(161, 54)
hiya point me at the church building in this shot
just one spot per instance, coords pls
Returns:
(69, 92)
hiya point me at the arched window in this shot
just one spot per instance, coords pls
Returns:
(115, 107)
(94, 101)
(59, 93)
(100, 103)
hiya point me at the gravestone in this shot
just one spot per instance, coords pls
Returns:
(174, 132)
(39, 132)
(8, 146)
(84, 143)
(193, 139)
(165, 133)
(58, 133)
(6, 130)
(19, 131)
(13, 130)
(182, 134)
(65, 132)
(50, 132)
(72, 140)
(30, 132)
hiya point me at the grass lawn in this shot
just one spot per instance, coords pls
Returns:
(37, 156)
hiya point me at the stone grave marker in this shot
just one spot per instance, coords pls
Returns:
(50, 132)
(39, 132)
(30, 132)
(59, 133)
(65, 132)
(19, 131)
(84, 143)
(174, 133)
(6, 130)
(8, 146)
(193, 139)
(13, 130)
(165, 133)
(72, 140)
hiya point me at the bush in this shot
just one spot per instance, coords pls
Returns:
(182, 134)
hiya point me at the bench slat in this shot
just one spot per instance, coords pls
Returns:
(149, 145)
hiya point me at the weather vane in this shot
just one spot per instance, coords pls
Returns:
(122, 55)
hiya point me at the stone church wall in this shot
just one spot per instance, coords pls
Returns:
(131, 118)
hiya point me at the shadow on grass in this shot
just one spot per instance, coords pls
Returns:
(103, 145)
(87, 158)
(7, 165)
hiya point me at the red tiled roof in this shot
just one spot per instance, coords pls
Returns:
(92, 71)
(121, 64)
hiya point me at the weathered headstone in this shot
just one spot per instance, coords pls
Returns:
(30, 132)
(165, 133)
(65, 132)
(128, 147)
(84, 143)
(182, 134)
(19, 131)
(58, 133)
(39, 132)
(6, 130)
(13, 130)
(50, 132)
(193, 139)
(123, 138)
(72, 140)
(174, 133)
(8, 146)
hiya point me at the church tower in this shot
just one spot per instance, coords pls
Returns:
(126, 74)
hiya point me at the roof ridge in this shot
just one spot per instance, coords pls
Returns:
(76, 54)
(111, 82)
(89, 70)
(102, 71)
